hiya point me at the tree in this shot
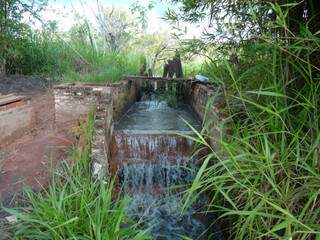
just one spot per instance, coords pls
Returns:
(156, 48)
(13, 27)
(142, 12)
(10, 26)
(224, 20)
(305, 15)
(115, 27)
(237, 22)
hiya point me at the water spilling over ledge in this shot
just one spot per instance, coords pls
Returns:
(153, 164)
(136, 138)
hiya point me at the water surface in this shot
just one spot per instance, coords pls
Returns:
(153, 169)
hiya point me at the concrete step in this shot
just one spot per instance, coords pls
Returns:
(140, 147)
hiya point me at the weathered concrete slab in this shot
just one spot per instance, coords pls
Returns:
(15, 115)
(108, 101)
(8, 99)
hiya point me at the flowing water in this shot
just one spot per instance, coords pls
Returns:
(153, 164)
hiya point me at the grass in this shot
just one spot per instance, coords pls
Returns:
(109, 67)
(75, 205)
(190, 69)
(70, 61)
(265, 177)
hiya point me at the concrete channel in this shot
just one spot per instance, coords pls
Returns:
(135, 140)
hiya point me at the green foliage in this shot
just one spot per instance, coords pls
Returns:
(38, 54)
(142, 11)
(12, 27)
(264, 177)
(224, 19)
(170, 97)
(74, 61)
(157, 48)
(83, 54)
(190, 69)
(75, 206)
(109, 67)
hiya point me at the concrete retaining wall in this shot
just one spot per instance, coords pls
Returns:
(209, 103)
(15, 118)
(108, 101)
(28, 115)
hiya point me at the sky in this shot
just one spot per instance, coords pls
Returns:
(61, 11)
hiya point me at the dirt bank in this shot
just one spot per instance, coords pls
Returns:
(27, 156)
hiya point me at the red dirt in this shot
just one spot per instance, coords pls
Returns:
(26, 159)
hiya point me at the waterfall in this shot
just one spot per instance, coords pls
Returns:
(153, 164)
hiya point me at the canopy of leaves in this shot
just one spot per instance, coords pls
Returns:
(224, 20)
(14, 15)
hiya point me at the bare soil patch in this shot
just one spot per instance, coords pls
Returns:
(28, 159)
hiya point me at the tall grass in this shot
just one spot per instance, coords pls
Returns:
(75, 206)
(265, 177)
(70, 60)
(107, 67)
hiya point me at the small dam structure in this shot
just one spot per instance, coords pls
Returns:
(141, 124)
(140, 139)
(151, 159)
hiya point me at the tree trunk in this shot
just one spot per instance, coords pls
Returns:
(3, 36)
(296, 19)
(305, 15)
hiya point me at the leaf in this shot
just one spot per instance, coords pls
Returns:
(284, 224)
(267, 93)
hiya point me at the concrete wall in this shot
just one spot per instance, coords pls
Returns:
(108, 101)
(46, 125)
(209, 104)
(124, 94)
(16, 118)
(75, 100)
